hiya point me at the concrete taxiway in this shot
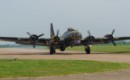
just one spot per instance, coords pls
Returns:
(22, 53)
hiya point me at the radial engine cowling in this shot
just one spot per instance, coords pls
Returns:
(89, 40)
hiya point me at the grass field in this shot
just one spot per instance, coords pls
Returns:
(29, 68)
(105, 48)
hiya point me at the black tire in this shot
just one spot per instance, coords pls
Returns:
(62, 46)
(52, 50)
(87, 50)
(62, 49)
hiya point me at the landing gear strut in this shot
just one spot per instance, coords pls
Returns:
(87, 49)
(52, 49)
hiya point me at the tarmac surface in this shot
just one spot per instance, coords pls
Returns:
(21, 53)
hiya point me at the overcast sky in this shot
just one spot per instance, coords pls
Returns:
(99, 16)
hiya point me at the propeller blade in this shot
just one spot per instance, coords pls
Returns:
(58, 32)
(89, 33)
(113, 32)
(29, 34)
(40, 35)
(34, 44)
(113, 43)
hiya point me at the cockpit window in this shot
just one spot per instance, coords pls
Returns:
(71, 29)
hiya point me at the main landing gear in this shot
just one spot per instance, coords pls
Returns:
(52, 49)
(62, 46)
(87, 49)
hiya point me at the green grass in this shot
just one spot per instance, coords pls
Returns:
(105, 48)
(29, 68)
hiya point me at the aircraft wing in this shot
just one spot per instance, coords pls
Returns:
(106, 40)
(13, 39)
(25, 41)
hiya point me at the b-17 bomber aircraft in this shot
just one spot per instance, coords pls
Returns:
(71, 38)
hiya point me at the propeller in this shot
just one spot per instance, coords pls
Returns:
(110, 37)
(90, 37)
(34, 38)
(56, 38)
(52, 34)
(58, 33)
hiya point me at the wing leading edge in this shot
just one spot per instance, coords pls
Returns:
(26, 41)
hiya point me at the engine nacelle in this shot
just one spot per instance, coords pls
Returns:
(88, 40)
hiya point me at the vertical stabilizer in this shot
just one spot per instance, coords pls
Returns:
(52, 34)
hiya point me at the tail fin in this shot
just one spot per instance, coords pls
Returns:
(52, 34)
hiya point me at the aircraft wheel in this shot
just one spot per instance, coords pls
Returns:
(62, 46)
(62, 49)
(52, 50)
(87, 50)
